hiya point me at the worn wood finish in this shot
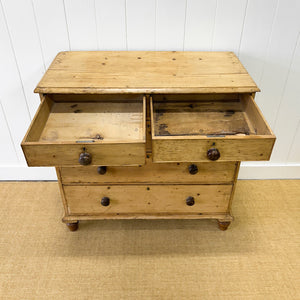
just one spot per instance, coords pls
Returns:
(147, 199)
(58, 136)
(137, 97)
(147, 135)
(199, 118)
(215, 97)
(238, 164)
(67, 154)
(95, 97)
(41, 116)
(72, 226)
(146, 72)
(148, 216)
(255, 116)
(62, 193)
(223, 225)
(95, 121)
(185, 131)
(231, 149)
(152, 173)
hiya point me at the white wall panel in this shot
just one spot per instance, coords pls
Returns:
(278, 60)
(8, 153)
(229, 24)
(199, 28)
(255, 39)
(25, 40)
(294, 153)
(52, 27)
(81, 21)
(170, 24)
(12, 97)
(289, 110)
(140, 16)
(111, 24)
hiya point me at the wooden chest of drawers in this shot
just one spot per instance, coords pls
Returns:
(147, 134)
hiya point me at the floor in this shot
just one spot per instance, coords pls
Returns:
(256, 258)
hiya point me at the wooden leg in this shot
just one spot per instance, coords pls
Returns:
(223, 225)
(72, 226)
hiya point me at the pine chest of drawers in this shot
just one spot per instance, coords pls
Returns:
(150, 135)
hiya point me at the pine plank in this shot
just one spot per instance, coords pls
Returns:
(147, 199)
(146, 72)
(184, 131)
(61, 131)
(152, 173)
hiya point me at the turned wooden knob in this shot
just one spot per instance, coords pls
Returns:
(213, 154)
(190, 201)
(193, 169)
(101, 170)
(85, 158)
(105, 201)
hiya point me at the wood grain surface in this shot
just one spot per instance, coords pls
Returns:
(152, 173)
(184, 131)
(114, 133)
(146, 72)
(143, 199)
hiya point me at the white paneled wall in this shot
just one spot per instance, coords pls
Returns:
(264, 34)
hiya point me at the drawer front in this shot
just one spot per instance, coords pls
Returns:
(209, 130)
(68, 155)
(215, 173)
(87, 133)
(142, 199)
(197, 150)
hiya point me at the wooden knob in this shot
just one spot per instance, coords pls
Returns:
(190, 201)
(105, 201)
(213, 154)
(85, 158)
(193, 169)
(101, 170)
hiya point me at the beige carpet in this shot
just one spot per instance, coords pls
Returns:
(257, 258)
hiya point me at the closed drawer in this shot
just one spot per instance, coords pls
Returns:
(187, 128)
(107, 132)
(84, 200)
(222, 172)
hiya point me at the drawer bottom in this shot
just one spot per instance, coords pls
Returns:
(147, 199)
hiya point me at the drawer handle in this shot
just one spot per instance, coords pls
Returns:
(101, 170)
(193, 169)
(190, 201)
(85, 158)
(105, 201)
(213, 154)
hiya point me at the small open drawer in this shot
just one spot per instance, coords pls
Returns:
(208, 128)
(106, 132)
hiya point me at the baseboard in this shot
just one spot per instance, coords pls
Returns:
(267, 170)
(26, 173)
(247, 171)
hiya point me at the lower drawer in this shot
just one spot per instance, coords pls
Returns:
(213, 173)
(142, 199)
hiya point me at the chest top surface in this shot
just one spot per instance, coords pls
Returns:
(109, 72)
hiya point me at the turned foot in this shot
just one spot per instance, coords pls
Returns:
(72, 226)
(223, 225)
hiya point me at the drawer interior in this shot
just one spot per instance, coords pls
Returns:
(193, 128)
(235, 116)
(89, 122)
(104, 131)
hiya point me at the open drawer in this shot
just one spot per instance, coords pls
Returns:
(195, 128)
(90, 132)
